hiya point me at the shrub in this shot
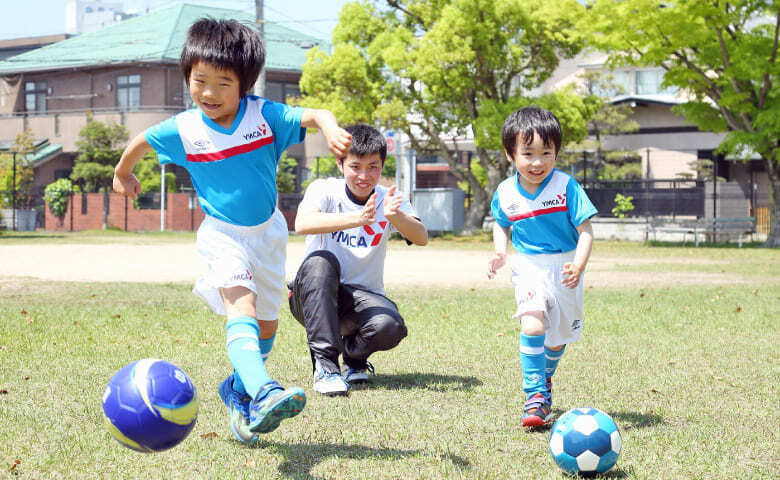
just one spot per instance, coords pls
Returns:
(56, 195)
(623, 205)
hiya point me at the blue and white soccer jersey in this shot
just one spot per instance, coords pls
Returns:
(361, 250)
(233, 170)
(544, 233)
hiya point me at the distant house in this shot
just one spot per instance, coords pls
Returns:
(127, 73)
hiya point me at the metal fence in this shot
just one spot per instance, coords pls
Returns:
(651, 198)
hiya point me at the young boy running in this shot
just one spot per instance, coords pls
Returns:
(549, 215)
(230, 144)
(338, 293)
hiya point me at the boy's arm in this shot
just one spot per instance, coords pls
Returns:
(315, 221)
(124, 181)
(411, 228)
(573, 271)
(500, 242)
(339, 140)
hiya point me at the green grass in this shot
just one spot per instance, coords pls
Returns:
(690, 374)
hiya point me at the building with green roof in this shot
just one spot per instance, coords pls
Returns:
(127, 73)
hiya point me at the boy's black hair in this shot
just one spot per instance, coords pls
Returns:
(227, 45)
(366, 140)
(525, 122)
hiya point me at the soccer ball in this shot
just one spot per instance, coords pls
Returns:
(150, 405)
(585, 441)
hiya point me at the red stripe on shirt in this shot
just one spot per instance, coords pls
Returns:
(229, 152)
(537, 213)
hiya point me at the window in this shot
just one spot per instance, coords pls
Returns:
(128, 92)
(278, 92)
(648, 82)
(612, 84)
(35, 96)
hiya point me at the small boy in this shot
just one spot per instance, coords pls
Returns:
(549, 214)
(338, 293)
(230, 144)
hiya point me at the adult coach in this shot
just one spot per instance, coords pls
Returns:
(338, 293)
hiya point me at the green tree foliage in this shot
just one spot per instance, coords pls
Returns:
(623, 205)
(22, 182)
(723, 57)
(285, 174)
(148, 170)
(100, 147)
(608, 119)
(323, 167)
(439, 69)
(56, 195)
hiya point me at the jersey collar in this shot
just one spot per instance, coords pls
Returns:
(354, 199)
(236, 121)
(538, 192)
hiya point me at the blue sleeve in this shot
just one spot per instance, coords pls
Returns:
(285, 123)
(164, 138)
(580, 207)
(498, 214)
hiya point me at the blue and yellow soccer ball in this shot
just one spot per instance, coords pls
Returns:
(150, 405)
(585, 442)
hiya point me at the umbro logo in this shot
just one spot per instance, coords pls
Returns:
(202, 144)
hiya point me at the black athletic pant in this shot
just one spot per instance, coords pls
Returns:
(341, 319)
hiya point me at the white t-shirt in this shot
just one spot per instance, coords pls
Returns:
(360, 250)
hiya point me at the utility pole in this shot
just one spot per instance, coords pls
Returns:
(259, 19)
(13, 194)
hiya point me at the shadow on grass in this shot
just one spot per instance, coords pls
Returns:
(631, 420)
(28, 236)
(300, 458)
(428, 381)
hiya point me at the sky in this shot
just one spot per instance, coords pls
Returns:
(31, 18)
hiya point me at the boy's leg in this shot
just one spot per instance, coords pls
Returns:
(266, 341)
(369, 323)
(314, 302)
(537, 409)
(552, 356)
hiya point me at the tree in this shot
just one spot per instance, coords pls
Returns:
(609, 119)
(285, 174)
(441, 69)
(21, 181)
(100, 147)
(148, 171)
(721, 54)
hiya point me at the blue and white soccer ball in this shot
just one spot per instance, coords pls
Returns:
(585, 442)
(150, 405)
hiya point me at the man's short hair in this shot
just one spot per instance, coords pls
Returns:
(525, 122)
(227, 45)
(366, 140)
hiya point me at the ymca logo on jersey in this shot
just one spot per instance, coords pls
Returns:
(260, 132)
(367, 236)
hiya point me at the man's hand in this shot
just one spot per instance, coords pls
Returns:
(339, 140)
(368, 214)
(128, 186)
(392, 203)
(495, 263)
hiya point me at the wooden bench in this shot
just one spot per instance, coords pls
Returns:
(740, 226)
(712, 227)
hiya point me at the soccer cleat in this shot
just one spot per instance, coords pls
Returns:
(274, 404)
(357, 375)
(329, 383)
(536, 412)
(238, 411)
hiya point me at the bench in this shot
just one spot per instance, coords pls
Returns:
(705, 226)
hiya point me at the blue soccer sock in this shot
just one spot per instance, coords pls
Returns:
(552, 357)
(533, 362)
(266, 344)
(244, 352)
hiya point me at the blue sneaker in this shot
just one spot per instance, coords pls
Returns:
(274, 404)
(238, 411)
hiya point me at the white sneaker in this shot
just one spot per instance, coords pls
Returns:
(329, 383)
(357, 375)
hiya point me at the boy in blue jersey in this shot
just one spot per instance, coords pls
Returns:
(549, 215)
(230, 144)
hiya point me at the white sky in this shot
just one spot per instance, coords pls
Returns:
(29, 18)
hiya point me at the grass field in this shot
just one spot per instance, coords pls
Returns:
(689, 373)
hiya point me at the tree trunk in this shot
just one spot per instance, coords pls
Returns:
(773, 239)
(105, 207)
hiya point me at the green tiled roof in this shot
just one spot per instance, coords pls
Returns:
(156, 37)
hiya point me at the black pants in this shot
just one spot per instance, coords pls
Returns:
(341, 319)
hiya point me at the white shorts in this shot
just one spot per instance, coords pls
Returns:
(250, 257)
(537, 280)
